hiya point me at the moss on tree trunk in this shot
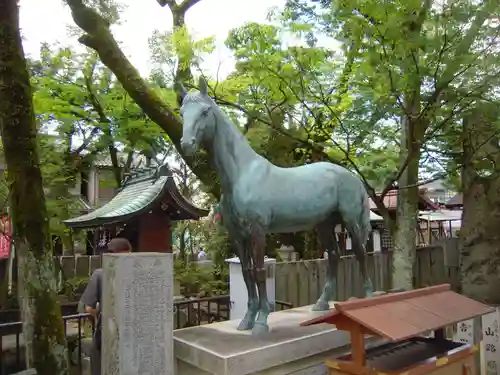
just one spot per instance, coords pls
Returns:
(42, 323)
(480, 234)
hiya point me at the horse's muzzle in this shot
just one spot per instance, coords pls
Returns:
(188, 146)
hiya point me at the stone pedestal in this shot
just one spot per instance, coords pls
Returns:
(137, 314)
(220, 349)
(238, 290)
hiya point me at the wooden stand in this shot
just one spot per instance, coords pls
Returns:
(402, 318)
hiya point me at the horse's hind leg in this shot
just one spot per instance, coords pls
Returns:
(329, 242)
(359, 252)
(259, 248)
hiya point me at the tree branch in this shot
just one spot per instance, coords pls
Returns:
(103, 119)
(98, 37)
(453, 67)
(86, 141)
(184, 6)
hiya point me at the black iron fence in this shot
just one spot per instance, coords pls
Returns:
(195, 312)
(76, 328)
(79, 328)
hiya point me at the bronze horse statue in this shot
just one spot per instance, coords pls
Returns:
(259, 198)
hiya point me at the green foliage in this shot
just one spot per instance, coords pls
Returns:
(175, 49)
(218, 246)
(84, 115)
(441, 55)
(73, 288)
(196, 280)
(290, 87)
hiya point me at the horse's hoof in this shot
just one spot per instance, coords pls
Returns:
(245, 325)
(260, 328)
(321, 306)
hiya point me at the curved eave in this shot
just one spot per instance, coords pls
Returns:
(193, 212)
(135, 200)
(130, 202)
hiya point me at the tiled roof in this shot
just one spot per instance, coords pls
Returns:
(456, 200)
(390, 201)
(139, 194)
(399, 316)
(139, 160)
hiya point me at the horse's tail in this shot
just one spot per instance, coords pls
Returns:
(357, 216)
(365, 226)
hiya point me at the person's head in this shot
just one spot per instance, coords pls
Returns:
(119, 245)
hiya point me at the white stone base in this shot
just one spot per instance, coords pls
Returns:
(220, 349)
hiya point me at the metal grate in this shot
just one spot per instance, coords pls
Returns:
(397, 356)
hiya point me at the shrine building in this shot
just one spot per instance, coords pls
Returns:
(142, 211)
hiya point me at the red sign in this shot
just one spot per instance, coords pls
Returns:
(5, 237)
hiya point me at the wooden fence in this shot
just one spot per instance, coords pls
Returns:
(301, 283)
(438, 264)
(83, 265)
(77, 266)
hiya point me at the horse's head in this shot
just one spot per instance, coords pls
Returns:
(198, 122)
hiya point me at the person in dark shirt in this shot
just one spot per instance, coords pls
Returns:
(91, 299)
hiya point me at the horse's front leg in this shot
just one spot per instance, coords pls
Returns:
(258, 245)
(248, 320)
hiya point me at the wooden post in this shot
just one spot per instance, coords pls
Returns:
(358, 346)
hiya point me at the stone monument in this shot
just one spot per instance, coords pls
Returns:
(137, 314)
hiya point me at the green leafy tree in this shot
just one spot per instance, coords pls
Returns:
(410, 60)
(97, 36)
(84, 119)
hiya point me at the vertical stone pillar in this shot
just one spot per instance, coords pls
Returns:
(137, 314)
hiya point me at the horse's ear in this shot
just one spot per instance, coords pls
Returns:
(202, 86)
(181, 91)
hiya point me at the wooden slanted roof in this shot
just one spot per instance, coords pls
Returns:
(399, 316)
(390, 201)
(455, 201)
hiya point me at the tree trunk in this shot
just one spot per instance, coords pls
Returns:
(42, 323)
(183, 71)
(182, 244)
(4, 282)
(407, 199)
(405, 234)
(480, 234)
